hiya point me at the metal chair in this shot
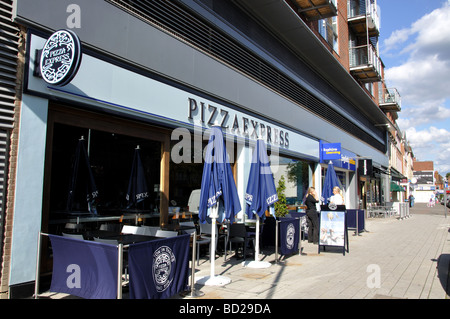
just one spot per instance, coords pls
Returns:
(74, 236)
(166, 233)
(238, 235)
(148, 230)
(127, 229)
(106, 241)
(205, 239)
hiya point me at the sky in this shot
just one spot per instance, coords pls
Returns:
(414, 45)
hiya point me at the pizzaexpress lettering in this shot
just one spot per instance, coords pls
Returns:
(236, 123)
(57, 56)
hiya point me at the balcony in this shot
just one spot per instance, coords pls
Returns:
(390, 100)
(365, 65)
(316, 9)
(364, 19)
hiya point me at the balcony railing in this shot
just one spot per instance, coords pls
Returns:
(390, 100)
(365, 63)
(317, 9)
(357, 17)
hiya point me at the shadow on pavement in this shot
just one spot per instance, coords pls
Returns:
(443, 266)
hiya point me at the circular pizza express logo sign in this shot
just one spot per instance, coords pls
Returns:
(60, 58)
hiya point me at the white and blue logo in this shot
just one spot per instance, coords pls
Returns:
(163, 262)
(60, 58)
(290, 235)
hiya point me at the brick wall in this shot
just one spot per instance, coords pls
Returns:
(9, 209)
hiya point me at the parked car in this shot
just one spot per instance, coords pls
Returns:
(448, 202)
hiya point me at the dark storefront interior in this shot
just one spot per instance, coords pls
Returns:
(111, 158)
(110, 144)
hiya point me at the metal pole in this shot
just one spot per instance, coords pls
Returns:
(445, 201)
(300, 236)
(276, 241)
(194, 253)
(119, 271)
(38, 262)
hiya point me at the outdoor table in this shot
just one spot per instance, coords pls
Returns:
(91, 234)
(179, 228)
(128, 239)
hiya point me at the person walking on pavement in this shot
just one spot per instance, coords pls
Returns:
(312, 215)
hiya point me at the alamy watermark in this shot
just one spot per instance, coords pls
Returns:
(189, 148)
(74, 19)
(74, 279)
(374, 279)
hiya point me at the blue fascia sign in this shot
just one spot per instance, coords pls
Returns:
(330, 151)
(339, 156)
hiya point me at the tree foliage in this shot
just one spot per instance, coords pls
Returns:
(280, 206)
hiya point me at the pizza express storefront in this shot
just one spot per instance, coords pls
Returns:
(114, 109)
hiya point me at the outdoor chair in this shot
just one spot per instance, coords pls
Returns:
(74, 236)
(106, 241)
(166, 233)
(74, 227)
(238, 235)
(127, 229)
(390, 209)
(110, 227)
(148, 230)
(206, 229)
(204, 239)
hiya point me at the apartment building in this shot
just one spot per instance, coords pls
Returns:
(299, 74)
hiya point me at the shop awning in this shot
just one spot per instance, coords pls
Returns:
(396, 188)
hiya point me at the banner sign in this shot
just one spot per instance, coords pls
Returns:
(355, 219)
(332, 226)
(82, 268)
(365, 167)
(348, 160)
(160, 268)
(289, 235)
(330, 151)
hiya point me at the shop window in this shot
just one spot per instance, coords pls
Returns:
(110, 156)
(296, 175)
(185, 176)
(186, 170)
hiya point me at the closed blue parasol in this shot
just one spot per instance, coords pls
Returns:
(137, 185)
(261, 194)
(82, 187)
(331, 180)
(218, 195)
(218, 188)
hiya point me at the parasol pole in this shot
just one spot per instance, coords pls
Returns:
(214, 280)
(212, 253)
(257, 239)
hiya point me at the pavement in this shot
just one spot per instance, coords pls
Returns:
(392, 259)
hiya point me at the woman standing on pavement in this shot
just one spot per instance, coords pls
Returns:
(312, 216)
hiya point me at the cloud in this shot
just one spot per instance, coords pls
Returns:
(397, 38)
(423, 82)
(423, 79)
(431, 142)
(427, 114)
